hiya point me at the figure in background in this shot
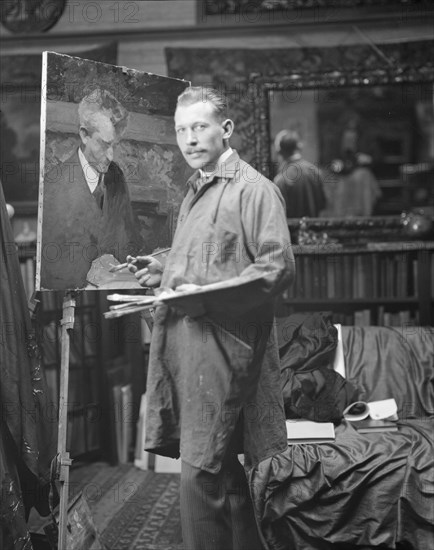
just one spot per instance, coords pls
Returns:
(87, 210)
(299, 181)
(356, 189)
(213, 381)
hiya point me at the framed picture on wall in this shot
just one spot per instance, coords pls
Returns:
(274, 11)
(20, 113)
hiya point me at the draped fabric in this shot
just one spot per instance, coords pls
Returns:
(311, 387)
(374, 490)
(28, 419)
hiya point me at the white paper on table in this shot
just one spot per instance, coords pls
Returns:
(385, 408)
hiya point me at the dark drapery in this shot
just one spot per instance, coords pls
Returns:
(28, 419)
(361, 490)
(311, 388)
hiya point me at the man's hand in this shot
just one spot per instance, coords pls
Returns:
(147, 270)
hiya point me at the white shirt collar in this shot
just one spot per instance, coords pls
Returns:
(224, 156)
(91, 175)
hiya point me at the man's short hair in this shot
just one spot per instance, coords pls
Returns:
(203, 94)
(287, 142)
(101, 101)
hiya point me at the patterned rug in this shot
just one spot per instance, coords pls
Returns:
(131, 508)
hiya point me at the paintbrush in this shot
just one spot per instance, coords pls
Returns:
(120, 313)
(135, 260)
(145, 301)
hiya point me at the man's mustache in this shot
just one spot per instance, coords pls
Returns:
(191, 151)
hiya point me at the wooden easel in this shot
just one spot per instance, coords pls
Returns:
(62, 458)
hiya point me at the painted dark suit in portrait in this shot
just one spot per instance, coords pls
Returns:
(77, 230)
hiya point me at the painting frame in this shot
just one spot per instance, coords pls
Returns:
(293, 12)
(112, 176)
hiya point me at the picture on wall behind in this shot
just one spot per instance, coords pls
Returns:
(20, 114)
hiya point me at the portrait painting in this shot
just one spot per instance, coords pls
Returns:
(112, 177)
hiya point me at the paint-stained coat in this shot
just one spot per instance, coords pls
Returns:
(206, 372)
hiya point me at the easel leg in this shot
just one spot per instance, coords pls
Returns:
(63, 460)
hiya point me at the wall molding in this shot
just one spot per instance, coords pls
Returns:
(217, 28)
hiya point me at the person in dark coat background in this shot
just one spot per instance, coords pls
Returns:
(299, 181)
(87, 210)
(213, 383)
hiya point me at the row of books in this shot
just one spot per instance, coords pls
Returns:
(84, 422)
(318, 276)
(376, 316)
(355, 276)
(382, 318)
(83, 434)
(399, 318)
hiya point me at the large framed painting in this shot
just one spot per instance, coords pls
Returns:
(111, 177)
(245, 7)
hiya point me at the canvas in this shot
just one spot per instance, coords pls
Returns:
(112, 177)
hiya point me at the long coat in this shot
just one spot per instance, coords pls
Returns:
(218, 372)
(75, 231)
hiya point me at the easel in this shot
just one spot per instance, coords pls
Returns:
(63, 461)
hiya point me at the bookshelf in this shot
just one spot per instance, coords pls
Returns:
(377, 283)
(387, 284)
(105, 356)
(85, 398)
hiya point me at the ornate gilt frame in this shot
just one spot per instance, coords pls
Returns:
(336, 67)
(248, 6)
(357, 65)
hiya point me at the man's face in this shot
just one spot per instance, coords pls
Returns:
(200, 135)
(98, 145)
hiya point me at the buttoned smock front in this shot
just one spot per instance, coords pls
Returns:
(219, 372)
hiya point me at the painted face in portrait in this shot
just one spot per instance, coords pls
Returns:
(98, 142)
(201, 136)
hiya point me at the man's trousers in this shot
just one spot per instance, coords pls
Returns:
(216, 509)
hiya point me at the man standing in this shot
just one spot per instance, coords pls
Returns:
(299, 181)
(214, 378)
(86, 208)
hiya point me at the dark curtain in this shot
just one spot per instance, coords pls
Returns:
(28, 418)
